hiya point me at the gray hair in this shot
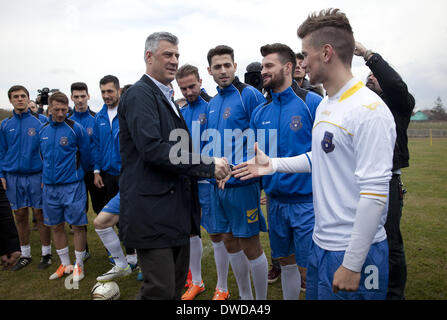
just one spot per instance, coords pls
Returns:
(154, 39)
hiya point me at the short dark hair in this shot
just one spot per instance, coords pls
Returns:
(17, 88)
(330, 26)
(80, 86)
(285, 53)
(58, 96)
(109, 78)
(187, 70)
(299, 55)
(218, 51)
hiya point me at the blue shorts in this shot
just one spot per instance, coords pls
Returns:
(64, 203)
(237, 210)
(323, 264)
(113, 206)
(204, 199)
(24, 190)
(290, 229)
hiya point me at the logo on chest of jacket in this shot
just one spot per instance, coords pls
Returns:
(326, 143)
(89, 131)
(227, 113)
(63, 141)
(202, 118)
(32, 132)
(295, 123)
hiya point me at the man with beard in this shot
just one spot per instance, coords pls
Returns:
(290, 210)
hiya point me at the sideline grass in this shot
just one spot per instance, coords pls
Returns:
(424, 228)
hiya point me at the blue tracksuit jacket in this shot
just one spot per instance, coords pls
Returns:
(106, 153)
(292, 119)
(65, 152)
(19, 144)
(87, 120)
(230, 112)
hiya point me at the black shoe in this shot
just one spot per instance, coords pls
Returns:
(23, 262)
(45, 262)
(274, 274)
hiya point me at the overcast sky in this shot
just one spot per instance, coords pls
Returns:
(55, 43)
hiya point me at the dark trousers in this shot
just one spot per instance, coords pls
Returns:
(97, 195)
(164, 272)
(398, 266)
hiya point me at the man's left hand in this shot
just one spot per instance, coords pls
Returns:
(345, 280)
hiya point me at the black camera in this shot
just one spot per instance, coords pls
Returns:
(253, 75)
(44, 93)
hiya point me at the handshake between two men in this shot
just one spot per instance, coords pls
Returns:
(259, 165)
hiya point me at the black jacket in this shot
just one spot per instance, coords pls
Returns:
(400, 102)
(159, 199)
(9, 239)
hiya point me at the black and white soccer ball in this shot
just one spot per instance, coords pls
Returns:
(106, 291)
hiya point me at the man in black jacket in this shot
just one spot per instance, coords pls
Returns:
(387, 83)
(158, 183)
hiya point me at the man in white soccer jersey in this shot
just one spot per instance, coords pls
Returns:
(351, 159)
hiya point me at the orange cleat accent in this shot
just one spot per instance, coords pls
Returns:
(61, 271)
(188, 280)
(221, 295)
(193, 291)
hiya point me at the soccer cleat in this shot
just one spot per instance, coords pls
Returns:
(193, 291)
(22, 263)
(274, 274)
(45, 262)
(188, 280)
(61, 271)
(221, 295)
(115, 272)
(78, 273)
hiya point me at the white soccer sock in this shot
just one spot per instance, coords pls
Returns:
(291, 282)
(80, 258)
(241, 271)
(112, 243)
(64, 255)
(259, 272)
(222, 264)
(26, 251)
(46, 250)
(132, 258)
(195, 259)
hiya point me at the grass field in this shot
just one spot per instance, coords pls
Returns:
(424, 228)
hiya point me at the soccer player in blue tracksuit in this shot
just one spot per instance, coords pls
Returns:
(86, 117)
(106, 156)
(21, 173)
(290, 211)
(236, 209)
(65, 150)
(195, 115)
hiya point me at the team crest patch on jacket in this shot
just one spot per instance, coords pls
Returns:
(32, 132)
(296, 123)
(63, 141)
(89, 131)
(202, 118)
(227, 113)
(326, 143)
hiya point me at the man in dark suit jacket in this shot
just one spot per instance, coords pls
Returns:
(159, 197)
